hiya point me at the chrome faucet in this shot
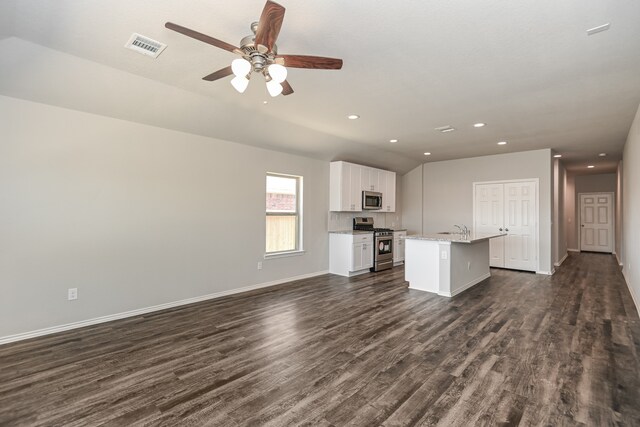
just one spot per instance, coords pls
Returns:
(466, 230)
(459, 228)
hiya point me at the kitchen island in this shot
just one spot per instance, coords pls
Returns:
(447, 263)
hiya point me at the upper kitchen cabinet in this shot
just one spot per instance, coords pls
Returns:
(348, 181)
(371, 179)
(388, 189)
(345, 192)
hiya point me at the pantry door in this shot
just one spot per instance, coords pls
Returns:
(489, 218)
(596, 222)
(520, 224)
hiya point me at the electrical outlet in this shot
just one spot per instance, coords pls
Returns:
(443, 255)
(259, 265)
(72, 294)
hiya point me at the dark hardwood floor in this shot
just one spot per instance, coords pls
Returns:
(518, 349)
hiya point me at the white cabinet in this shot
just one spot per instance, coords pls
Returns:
(345, 194)
(371, 179)
(350, 254)
(388, 189)
(348, 181)
(398, 246)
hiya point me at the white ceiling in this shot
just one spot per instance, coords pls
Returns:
(526, 68)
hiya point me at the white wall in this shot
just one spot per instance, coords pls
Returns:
(412, 201)
(631, 209)
(134, 215)
(559, 235)
(619, 209)
(447, 192)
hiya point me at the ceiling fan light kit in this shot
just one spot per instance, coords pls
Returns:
(260, 54)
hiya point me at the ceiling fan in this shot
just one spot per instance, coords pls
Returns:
(260, 54)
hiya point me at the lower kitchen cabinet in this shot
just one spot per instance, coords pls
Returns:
(398, 246)
(350, 254)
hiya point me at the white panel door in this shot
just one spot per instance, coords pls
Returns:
(596, 222)
(520, 225)
(489, 205)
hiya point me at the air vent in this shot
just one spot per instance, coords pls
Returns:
(444, 129)
(145, 45)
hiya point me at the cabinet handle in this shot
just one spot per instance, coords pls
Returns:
(506, 229)
(500, 229)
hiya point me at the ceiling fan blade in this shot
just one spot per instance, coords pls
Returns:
(226, 71)
(286, 88)
(202, 37)
(269, 25)
(315, 62)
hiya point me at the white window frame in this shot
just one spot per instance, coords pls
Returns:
(299, 214)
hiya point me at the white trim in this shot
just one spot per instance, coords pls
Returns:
(612, 213)
(102, 319)
(548, 273)
(275, 255)
(573, 250)
(559, 263)
(466, 286)
(633, 296)
(537, 197)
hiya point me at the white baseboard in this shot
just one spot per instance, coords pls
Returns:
(559, 263)
(633, 295)
(96, 320)
(548, 273)
(573, 250)
(618, 260)
(465, 286)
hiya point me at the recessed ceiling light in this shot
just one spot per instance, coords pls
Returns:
(598, 29)
(557, 156)
(591, 166)
(393, 141)
(502, 143)
(479, 125)
(353, 116)
(427, 154)
(602, 154)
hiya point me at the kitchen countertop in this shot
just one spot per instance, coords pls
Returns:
(455, 237)
(352, 232)
(399, 229)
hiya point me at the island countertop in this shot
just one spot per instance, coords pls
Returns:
(455, 237)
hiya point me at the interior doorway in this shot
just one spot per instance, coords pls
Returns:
(596, 222)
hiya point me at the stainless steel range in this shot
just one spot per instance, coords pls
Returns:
(382, 242)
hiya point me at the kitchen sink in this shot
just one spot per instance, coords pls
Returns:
(448, 232)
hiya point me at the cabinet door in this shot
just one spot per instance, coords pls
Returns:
(354, 190)
(356, 257)
(367, 255)
(489, 218)
(389, 192)
(520, 225)
(398, 250)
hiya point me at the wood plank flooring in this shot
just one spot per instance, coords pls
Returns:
(518, 349)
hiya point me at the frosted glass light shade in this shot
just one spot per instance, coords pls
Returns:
(240, 67)
(274, 88)
(240, 83)
(277, 72)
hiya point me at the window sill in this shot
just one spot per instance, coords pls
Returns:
(284, 254)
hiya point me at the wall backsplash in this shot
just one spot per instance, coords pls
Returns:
(344, 220)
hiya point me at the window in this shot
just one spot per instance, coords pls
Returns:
(284, 218)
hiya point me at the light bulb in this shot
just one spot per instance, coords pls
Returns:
(240, 67)
(274, 88)
(240, 83)
(277, 72)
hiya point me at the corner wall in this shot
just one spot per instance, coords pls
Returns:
(631, 210)
(448, 191)
(134, 216)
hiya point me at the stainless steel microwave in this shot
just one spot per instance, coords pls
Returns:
(371, 200)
